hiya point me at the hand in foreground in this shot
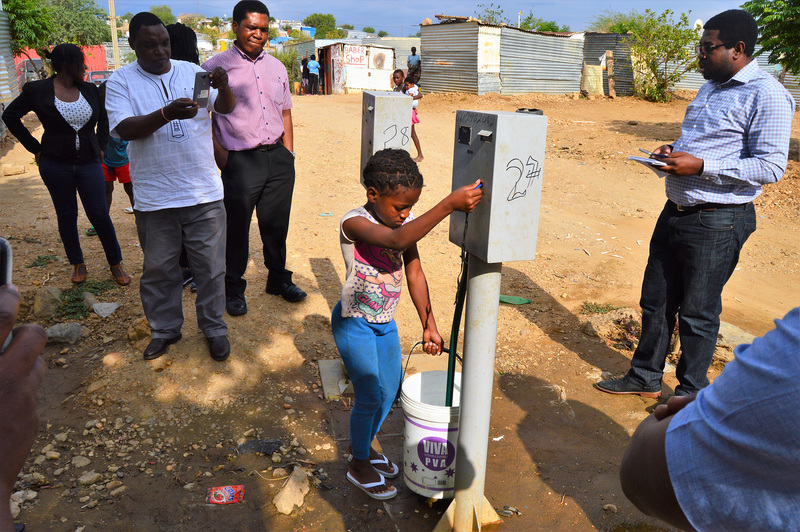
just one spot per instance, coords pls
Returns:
(180, 109)
(681, 163)
(466, 198)
(21, 374)
(673, 405)
(218, 78)
(431, 342)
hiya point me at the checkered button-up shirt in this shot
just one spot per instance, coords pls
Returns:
(741, 129)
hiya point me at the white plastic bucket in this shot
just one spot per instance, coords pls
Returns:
(431, 434)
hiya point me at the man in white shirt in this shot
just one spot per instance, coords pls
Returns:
(176, 188)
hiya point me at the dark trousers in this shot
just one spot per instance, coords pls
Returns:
(200, 229)
(262, 180)
(63, 180)
(313, 83)
(692, 256)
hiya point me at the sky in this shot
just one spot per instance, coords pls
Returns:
(402, 17)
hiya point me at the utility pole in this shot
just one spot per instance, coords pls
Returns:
(519, 18)
(114, 40)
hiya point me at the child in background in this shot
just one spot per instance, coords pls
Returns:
(412, 90)
(116, 168)
(398, 80)
(375, 239)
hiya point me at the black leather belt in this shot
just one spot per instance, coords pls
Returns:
(707, 207)
(269, 147)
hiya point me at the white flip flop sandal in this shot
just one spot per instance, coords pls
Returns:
(385, 461)
(378, 461)
(365, 488)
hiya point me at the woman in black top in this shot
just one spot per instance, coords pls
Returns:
(75, 133)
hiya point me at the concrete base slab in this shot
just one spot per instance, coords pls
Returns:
(334, 381)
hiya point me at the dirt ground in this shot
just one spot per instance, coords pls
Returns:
(165, 431)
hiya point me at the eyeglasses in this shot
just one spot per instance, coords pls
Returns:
(706, 49)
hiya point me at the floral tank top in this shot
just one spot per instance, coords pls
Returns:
(374, 276)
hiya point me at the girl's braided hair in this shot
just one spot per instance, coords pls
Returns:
(391, 169)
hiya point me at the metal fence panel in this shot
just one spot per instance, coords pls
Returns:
(595, 46)
(9, 87)
(450, 57)
(531, 62)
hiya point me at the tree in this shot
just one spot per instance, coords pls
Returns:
(348, 27)
(329, 32)
(661, 54)
(617, 22)
(30, 22)
(273, 33)
(164, 13)
(215, 22)
(213, 34)
(368, 29)
(491, 14)
(383, 33)
(80, 22)
(192, 20)
(779, 29)
(300, 36)
(127, 16)
(539, 24)
(317, 20)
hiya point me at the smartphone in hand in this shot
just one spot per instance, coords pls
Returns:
(5, 275)
(651, 154)
(202, 87)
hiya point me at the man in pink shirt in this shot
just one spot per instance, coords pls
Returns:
(255, 155)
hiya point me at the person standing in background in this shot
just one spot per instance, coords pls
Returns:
(414, 63)
(313, 75)
(178, 191)
(75, 135)
(257, 156)
(734, 139)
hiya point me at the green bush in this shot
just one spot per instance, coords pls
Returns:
(289, 60)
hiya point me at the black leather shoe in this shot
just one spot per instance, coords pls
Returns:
(236, 306)
(159, 346)
(219, 347)
(625, 387)
(288, 291)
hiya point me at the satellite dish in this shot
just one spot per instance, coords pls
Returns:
(378, 60)
(698, 25)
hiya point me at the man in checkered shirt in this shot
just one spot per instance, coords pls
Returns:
(734, 139)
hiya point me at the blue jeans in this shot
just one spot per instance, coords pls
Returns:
(62, 181)
(692, 256)
(371, 354)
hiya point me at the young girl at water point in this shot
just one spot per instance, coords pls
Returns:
(376, 239)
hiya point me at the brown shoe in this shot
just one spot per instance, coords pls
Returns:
(79, 275)
(120, 276)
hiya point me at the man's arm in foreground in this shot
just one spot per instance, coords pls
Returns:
(21, 374)
(644, 474)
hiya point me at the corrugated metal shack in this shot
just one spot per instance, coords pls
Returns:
(9, 88)
(307, 48)
(402, 47)
(480, 58)
(355, 68)
(595, 46)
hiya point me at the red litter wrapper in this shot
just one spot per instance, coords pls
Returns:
(225, 494)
